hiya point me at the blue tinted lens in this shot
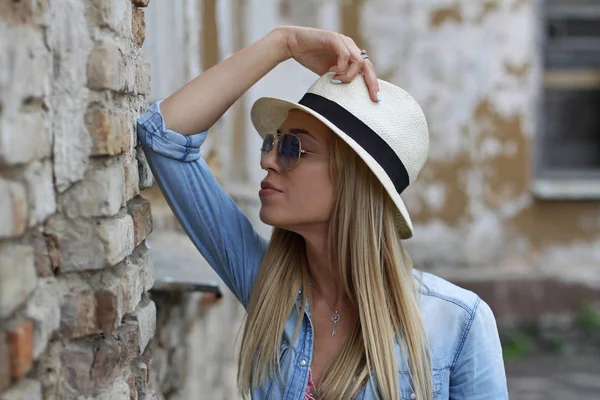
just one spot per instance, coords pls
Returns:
(289, 151)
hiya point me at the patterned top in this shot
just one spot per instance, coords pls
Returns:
(311, 391)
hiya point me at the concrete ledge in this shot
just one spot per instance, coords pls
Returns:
(179, 266)
(566, 189)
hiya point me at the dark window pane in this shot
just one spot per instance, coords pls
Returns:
(571, 128)
(572, 28)
(570, 125)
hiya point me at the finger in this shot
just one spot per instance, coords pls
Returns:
(371, 80)
(355, 67)
(342, 52)
(355, 63)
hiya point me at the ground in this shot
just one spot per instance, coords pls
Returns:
(554, 377)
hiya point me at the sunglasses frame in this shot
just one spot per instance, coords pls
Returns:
(276, 137)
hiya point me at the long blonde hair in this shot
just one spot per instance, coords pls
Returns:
(377, 276)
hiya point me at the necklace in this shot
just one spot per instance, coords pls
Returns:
(335, 318)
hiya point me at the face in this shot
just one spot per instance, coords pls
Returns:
(303, 197)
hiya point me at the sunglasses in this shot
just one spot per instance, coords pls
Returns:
(289, 149)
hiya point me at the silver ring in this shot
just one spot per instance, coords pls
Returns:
(363, 54)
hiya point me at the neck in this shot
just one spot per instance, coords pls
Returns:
(323, 271)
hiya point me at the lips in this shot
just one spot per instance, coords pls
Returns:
(267, 189)
(268, 185)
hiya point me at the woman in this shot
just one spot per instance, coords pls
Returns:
(335, 309)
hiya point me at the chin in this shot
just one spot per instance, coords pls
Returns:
(270, 217)
(267, 217)
(288, 219)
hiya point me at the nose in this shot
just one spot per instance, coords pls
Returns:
(271, 161)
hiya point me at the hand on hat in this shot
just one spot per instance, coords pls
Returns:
(324, 51)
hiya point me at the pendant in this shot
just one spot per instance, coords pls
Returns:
(335, 318)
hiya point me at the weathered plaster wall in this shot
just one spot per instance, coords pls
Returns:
(475, 68)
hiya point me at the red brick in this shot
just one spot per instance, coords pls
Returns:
(141, 213)
(4, 363)
(107, 310)
(110, 134)
(20, 344)
(138, 26)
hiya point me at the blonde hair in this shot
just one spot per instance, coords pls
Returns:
(377, 276)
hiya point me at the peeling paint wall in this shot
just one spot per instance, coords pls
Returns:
(475, 67)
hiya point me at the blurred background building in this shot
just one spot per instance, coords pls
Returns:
(92, 304)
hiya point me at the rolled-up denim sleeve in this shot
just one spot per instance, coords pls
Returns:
(478, 371)
(209, 216)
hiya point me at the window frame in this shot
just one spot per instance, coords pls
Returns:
(558, 183)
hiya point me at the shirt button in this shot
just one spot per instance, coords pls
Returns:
(413, 396)
(303, 362)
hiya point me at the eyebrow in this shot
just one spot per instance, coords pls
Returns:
(298, 131)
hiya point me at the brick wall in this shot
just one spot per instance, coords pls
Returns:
(75, 318)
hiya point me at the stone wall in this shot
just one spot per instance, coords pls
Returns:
(194, 350)
(75, 318)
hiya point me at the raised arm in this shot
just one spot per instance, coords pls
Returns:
(172, 131)
(199, 104)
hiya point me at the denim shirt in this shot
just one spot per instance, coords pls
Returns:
(465, 347)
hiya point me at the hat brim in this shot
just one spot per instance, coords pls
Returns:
(268, 114)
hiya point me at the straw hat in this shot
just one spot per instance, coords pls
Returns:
(391, 137)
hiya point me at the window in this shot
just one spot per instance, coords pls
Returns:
(568, 161)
